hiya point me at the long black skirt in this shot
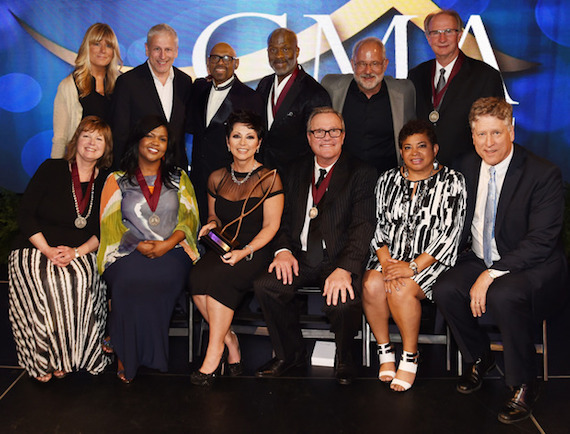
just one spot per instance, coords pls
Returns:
(143, 294)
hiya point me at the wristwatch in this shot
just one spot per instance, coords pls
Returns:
(414, 267)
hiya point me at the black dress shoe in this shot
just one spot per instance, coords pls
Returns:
(344, 374)
(472, 379)
(277, 367)
(519, 407)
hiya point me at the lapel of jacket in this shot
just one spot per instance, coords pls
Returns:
(291, 96)
(153, 92)
(397, 106)
(300, 192)
(455, 85)
(339, 178)
(512, 178)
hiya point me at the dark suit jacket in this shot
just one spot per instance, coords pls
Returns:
(474, 80)
(135, 96)
(209, 149)
(346, 211)
(528, 223)
(287, 138)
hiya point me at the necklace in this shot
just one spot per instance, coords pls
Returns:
(80, 222)
(237, 181)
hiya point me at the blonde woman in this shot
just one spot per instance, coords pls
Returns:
(87, 90)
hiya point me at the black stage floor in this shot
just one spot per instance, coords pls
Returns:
(310, 403)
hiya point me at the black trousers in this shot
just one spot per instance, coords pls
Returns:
(509, 302)
(281, 314)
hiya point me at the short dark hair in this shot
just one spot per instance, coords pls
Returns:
(92, 123)
(417, 126)
(248, 118)
(130, 160)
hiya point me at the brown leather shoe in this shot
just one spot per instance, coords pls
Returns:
(520, 405)
(472, 379)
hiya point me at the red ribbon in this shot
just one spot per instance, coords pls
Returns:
(318, 193)
(437, 98)
(275, 107)
(151, 199)
(82, 199)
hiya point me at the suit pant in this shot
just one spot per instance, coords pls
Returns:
(509, 302)
(281, 313)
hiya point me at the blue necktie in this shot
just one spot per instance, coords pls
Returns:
(490, 214)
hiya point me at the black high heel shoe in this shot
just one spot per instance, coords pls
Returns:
(198, 378)
(234, 369)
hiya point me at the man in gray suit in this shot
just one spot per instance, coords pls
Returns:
(374, 106)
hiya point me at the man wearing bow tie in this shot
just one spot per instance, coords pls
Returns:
(289, 95)
(213, 99)
(323, 241)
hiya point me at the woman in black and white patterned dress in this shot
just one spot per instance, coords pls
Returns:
(420, 214)
(57, 299)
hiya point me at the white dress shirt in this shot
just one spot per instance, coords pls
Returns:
(216, 98)
(447, 68)
(165, 91)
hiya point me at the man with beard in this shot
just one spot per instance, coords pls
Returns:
(289, 95)
(374, 106)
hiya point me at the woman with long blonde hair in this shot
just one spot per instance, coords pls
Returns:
(87, 90)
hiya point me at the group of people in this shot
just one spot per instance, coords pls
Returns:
(365, 186)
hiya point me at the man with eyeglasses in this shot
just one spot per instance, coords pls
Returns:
(213, 99)
(154, 88)
(327, 224)
(289, 97)
(374, 106)
(447, 86)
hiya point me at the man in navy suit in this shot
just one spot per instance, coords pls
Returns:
(153, 88)
(515, 269)
(445, 99)
(213, 99)
(324, 239)
(289, 97)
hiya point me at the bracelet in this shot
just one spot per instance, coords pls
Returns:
(414, 267)
(77, 255)
(250, 256)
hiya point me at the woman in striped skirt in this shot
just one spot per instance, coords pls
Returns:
(57, 299)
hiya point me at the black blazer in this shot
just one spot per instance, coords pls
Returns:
(529, 220)
(474, 80)
(287, 138)
(135, 96)
(209, 149)
(346, 212)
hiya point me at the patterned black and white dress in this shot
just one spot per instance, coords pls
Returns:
(429, 220)
(58, 314)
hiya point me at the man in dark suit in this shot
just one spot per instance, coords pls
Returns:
(153, 88)
(375, 107)
(289, 97)
(515, 267)
(445, 100)
(213, 99)
(323, 241)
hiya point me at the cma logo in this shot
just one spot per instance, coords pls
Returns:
(326, 35)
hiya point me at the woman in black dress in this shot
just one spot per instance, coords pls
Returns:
(218, 283)
(57, 299)
(149, 224)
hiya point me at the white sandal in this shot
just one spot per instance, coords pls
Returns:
(408, 363)
(386, 355)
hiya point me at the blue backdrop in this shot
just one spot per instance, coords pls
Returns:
(530, 42)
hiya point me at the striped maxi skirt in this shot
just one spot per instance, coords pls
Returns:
(58, 314)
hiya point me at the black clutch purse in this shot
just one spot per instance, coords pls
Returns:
(221, 243)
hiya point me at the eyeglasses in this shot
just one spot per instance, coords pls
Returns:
(214, 58)
(373, 65)
(446, 32)
(320, 134)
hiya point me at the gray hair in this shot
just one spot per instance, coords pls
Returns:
(161, 28)
(360, 43)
